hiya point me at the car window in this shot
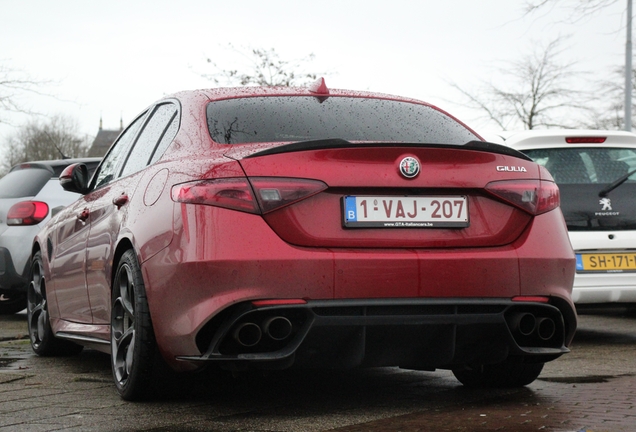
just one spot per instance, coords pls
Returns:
(586, 165)
(167, 138)
(23, 182)
(92, 166)
(114, 158)
(292, 119)
(154, 130)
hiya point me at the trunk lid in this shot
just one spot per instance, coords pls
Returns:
(448, 174)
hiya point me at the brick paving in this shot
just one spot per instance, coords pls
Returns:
(606, 406)
(592, 389)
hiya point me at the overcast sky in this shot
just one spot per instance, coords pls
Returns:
(111, 59)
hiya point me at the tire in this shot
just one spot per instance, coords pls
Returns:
(133, 347)
(43, 342)
(506, 374)
(12, 302)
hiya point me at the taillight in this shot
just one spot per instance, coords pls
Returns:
(233, 193)
(259, 195)
(27, 213)
(533, 196)
(276, 192)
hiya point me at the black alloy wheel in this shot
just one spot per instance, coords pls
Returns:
(43, 342)
(133, 347)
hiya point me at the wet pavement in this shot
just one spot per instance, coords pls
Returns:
(591, 389)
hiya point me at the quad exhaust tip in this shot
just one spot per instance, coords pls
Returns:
(249, 334)
(528, 324)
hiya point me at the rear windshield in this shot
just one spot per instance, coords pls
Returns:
(292, 119)
(23, 182)
(586, 165)
(592, 198)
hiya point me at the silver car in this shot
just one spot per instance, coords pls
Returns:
(29, 195)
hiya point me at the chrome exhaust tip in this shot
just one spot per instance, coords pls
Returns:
(277, 328)
(248, 334)
(546, 328)
(525, 323)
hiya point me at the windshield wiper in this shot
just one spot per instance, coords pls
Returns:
(616, 183)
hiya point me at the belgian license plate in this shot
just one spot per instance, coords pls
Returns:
(606, 262)
(405, 212)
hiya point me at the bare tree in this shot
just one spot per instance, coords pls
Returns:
(608, 107)
(533, 92)
(263, 67)
(58, 138)
(578, 8)
(13, 84)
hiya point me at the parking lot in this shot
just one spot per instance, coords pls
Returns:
(591, 389)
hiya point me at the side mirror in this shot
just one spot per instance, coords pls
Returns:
(74, 178)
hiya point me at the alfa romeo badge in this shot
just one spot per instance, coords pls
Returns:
(409, 167)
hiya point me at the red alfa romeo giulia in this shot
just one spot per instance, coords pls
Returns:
(270, 228)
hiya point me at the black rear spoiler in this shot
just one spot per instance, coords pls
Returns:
(340, 143)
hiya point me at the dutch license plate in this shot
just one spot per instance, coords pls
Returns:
(405, 212)
(606, 262)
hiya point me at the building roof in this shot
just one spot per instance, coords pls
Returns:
(103, 140)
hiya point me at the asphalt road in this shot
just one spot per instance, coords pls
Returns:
(591, 389)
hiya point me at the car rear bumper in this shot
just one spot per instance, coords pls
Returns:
(413, 333)
(205, 271)
(601, 288)
(604, 287)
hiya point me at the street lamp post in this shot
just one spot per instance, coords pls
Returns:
(628, 69)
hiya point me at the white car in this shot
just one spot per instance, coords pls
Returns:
(29, 195)
(596, 174)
